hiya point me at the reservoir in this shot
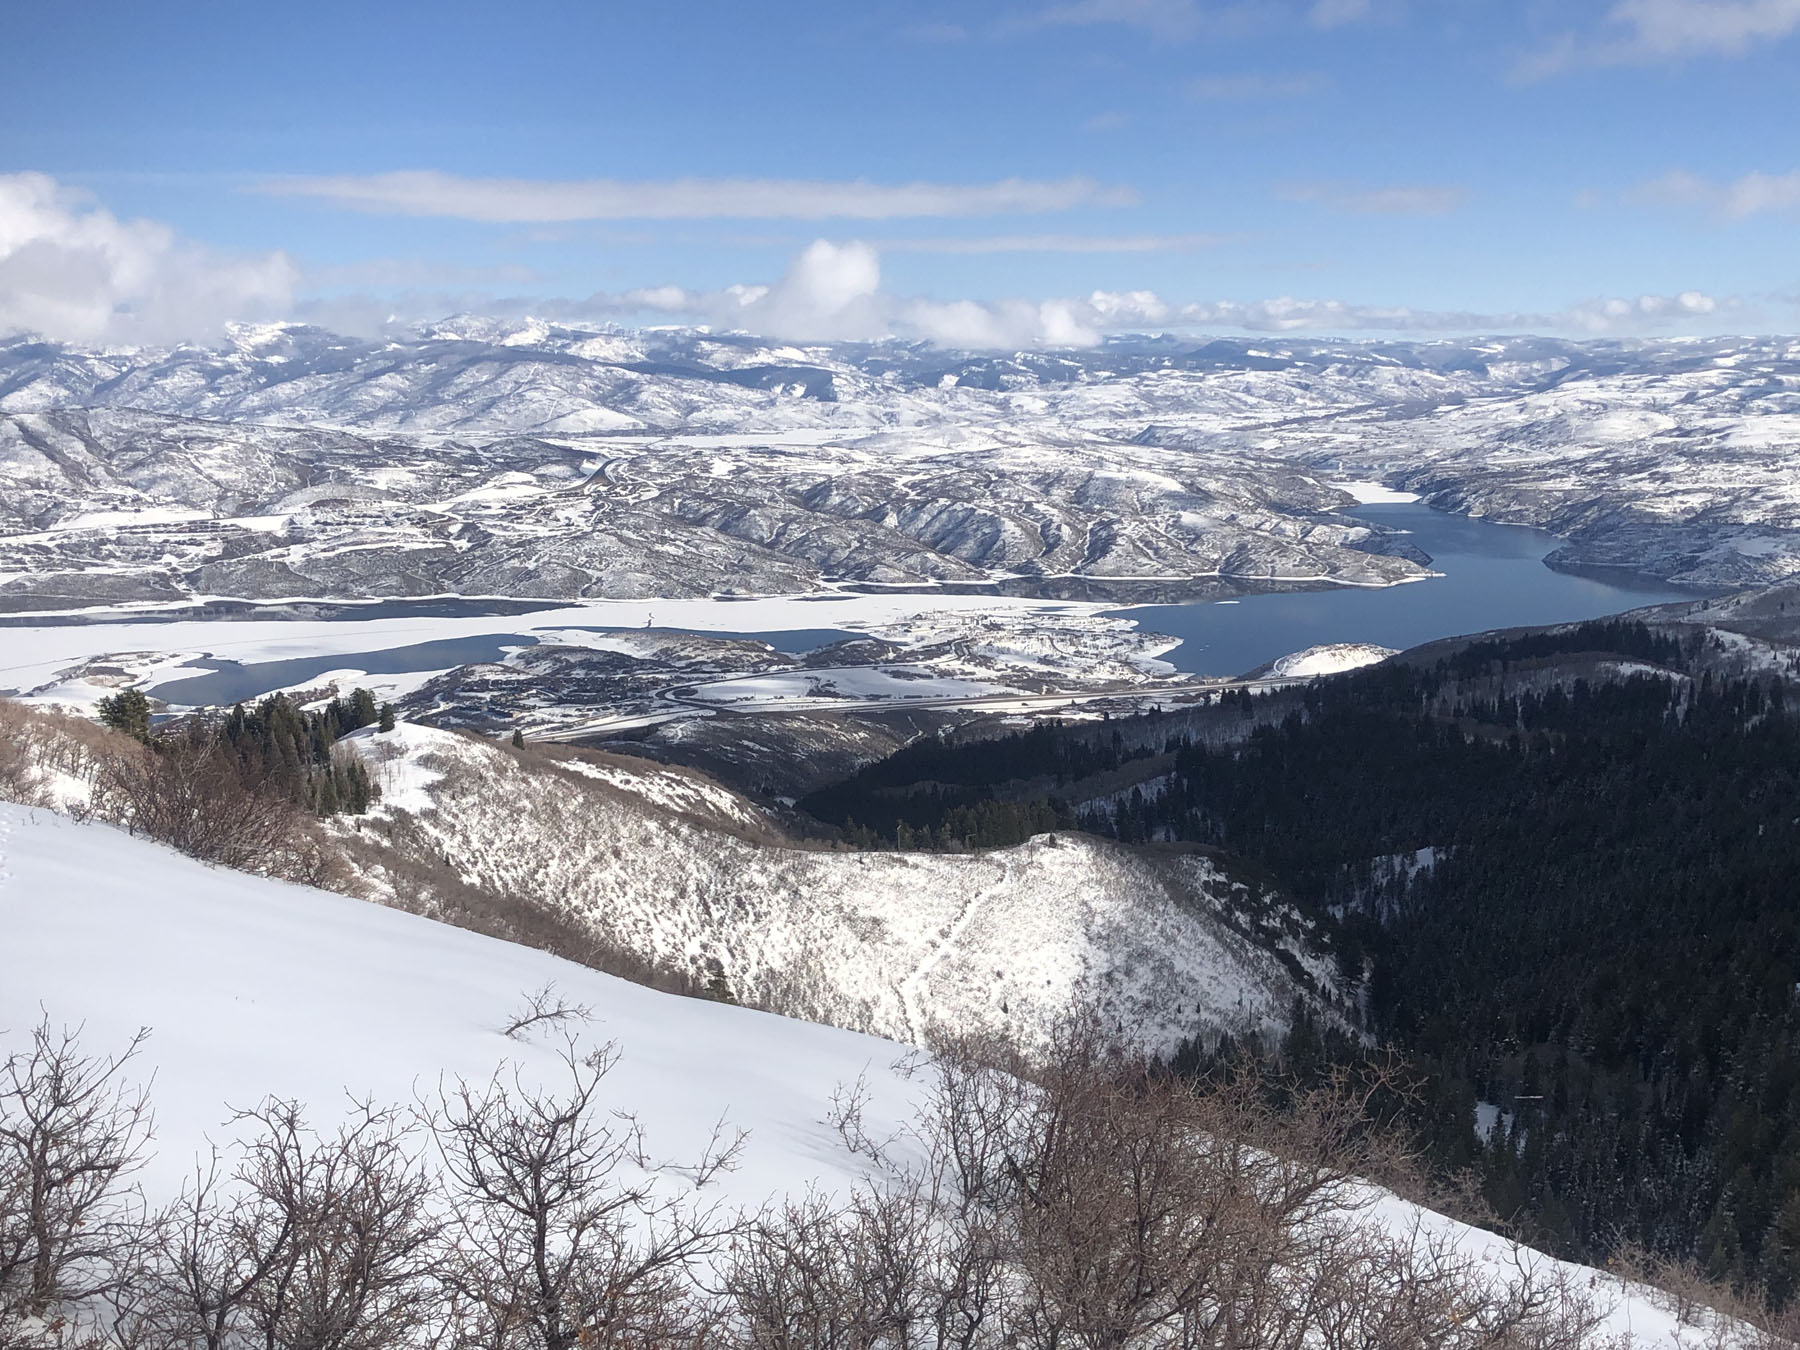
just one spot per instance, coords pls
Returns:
(1494, 577)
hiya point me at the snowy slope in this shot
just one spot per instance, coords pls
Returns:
(684, 874)
(255, 988)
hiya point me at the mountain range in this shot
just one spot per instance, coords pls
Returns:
(519, 459)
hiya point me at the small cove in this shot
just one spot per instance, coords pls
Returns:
(1493, 577)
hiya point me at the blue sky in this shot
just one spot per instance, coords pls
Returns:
(1040, 171)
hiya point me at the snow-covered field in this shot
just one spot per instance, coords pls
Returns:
(252, 988)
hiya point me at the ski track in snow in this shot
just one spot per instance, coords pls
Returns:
(911, 985)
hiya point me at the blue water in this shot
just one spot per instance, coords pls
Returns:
(1494, 577)
(232, 682)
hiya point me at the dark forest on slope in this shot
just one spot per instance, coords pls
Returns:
(1576, 897)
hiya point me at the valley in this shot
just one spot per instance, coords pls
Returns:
(898, 691)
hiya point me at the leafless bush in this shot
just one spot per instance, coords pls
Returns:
(1074, 1202)
(543, 1007)
(561, 1238)
(72, 1132)
(326, 1242)
(404, 861)
(19, 776)
(36, 743)
(189, 795)
(1082, 1201)
(1723, 1318)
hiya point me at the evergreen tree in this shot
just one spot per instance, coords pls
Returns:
(127, 711)
(362, 709)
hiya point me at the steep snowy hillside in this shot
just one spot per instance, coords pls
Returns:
(685, 876)
(251, 988)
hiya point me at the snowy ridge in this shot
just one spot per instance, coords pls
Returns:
(536, 460)
(252, 988)
(687, 876)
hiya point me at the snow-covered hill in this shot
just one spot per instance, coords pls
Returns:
(1330, 659)
(684, 875)
(252, 988)
(532, 460)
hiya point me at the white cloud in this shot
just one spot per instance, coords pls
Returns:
(1247, 86)
(1183, 20)
(833, 291)
(1750, 195)
(540, 201)
(1646, 312)
(830, 290)
(1648, 32)
(1591, 318)
(73, 272)
(1367, 200)
(1060, 243)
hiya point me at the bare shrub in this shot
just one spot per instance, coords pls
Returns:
(19, 776)
(405, 862)
(1083, 1201)
(1077, 1201)
(188, 794)
(544, 1007)
(1724, 1318)
(561, 1238)
(813, 1275)
(72, 1132)
(36, 744)
(322, 1241)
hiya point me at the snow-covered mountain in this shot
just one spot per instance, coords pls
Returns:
(485, 458)
(674, 871)
(253, 989)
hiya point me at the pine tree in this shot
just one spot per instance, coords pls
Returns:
(518, 739)
(387, 718)
(361, 710)
(127, 711)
